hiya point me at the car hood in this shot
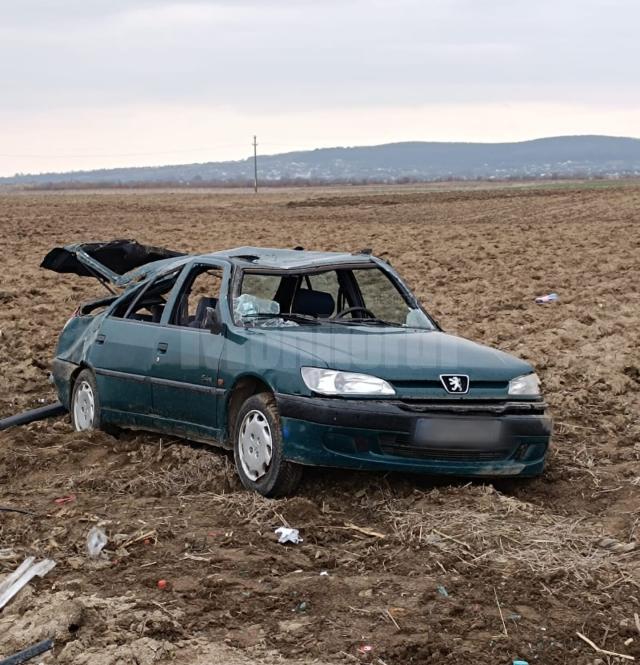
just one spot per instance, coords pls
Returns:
(400, 355)
(118, 262)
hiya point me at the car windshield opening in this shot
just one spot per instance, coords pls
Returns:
(365, 296)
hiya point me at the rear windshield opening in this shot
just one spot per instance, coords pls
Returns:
(147, 302)
(346, 296)
(95, 307)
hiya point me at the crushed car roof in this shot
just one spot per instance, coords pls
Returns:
(269, 257)
(121, 262)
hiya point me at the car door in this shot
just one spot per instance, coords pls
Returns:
(122, 353)
(184, 371)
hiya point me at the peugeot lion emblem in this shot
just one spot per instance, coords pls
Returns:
(455, 383)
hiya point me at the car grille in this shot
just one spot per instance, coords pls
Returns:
(470, 406)
(398, 445)
(431, 384)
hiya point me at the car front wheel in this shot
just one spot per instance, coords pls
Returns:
(258, 449)
(85, 403)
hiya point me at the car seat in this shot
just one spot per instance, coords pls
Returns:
(313, 303)
(201, 311)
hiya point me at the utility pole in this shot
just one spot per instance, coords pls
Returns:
(255, 165)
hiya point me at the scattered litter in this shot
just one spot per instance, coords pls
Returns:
(195, 557)
(149, 564)
(387, 614)
(279, 322)
(442, 591)
(596, 648)
(288, 535)
(520, 662)
(21, 576)
(162, 584)
(324, 573)
(550, 297)
(28, 653)
(504, 625)
(363, 530)
(365, 649)
(96, 540)
(514, 616)
(302, 607)
(248, 305)
(220, 534)
(148, 535)
(616, 546)
(70, 498)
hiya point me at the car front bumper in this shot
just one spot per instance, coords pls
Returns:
(488, 438)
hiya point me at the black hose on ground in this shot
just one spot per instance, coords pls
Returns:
(27, 654)
(41, 413)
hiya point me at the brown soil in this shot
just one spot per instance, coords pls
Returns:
(452, 572)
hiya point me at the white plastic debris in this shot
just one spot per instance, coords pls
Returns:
(96, 540)
(324, 573)
(550, 297)
(288, 535)
(21, 576)
(249, 305)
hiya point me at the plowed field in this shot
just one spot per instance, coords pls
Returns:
(420, 570)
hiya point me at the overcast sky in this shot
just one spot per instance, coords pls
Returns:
(93, 83)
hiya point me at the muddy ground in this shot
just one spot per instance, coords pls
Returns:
(420, 570)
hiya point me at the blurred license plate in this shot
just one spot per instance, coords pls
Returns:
(463, 433)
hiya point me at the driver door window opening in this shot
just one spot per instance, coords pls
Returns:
(199, 298)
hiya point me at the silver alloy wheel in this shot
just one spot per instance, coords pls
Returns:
(84, 407)
(255, 445)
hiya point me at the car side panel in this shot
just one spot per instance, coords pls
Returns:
(262, 355)
(184, 376)
(121, 356)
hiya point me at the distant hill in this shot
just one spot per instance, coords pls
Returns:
(416, 161)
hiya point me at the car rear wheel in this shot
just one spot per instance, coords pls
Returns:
(258, 449)
(85, 403)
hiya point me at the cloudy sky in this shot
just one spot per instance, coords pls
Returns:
(101, 83)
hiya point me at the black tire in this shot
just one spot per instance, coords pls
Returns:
(281, 477)
(86, 376)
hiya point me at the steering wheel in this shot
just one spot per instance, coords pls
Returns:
(344, 312)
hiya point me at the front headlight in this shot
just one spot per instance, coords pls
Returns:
(333, 382)
(528, 385)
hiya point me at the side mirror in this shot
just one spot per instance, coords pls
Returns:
(213, 321)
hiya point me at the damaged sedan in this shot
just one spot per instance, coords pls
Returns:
(291, 358)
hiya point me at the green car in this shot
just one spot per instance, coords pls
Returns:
(291, 358)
